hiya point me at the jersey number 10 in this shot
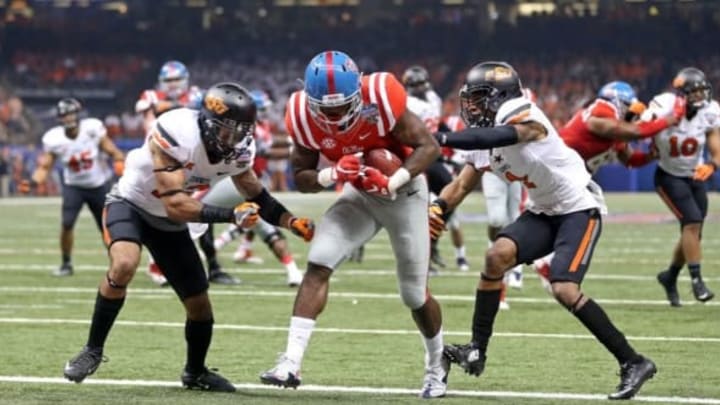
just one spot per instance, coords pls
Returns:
(687, 147)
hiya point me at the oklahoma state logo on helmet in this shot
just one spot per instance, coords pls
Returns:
(215, 105)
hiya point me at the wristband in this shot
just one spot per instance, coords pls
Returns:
(325, 177)
(398, 179)
(444, 207)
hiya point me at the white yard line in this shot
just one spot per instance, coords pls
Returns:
(92, 268)
(369, 390)
(348, 295)
(262, 328)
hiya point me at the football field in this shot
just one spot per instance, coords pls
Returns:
(365, 349)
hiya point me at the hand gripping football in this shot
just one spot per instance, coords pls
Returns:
(383, 160)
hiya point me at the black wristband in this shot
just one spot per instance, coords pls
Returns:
(444, 207)
(441, 203)
(211, 213)
(271, 210)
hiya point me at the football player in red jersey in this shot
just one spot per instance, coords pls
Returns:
(338, 114)
(173, 91)
(600, 130)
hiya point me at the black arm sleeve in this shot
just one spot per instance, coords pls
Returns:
(210, 214)
(479, 138)
(271, 210)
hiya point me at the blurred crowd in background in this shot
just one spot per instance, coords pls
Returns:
(106, 59)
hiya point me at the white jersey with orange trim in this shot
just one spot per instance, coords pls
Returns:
(384, 101)
(427, 109)
(553, 174)
(680, 147)
(81, 157)
(177, 134)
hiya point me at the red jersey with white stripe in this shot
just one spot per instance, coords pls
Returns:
(263, 143)
(384, 101)
(455, 123)
(594, 150)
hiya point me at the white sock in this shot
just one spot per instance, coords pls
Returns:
(460, 252)
(433, 349)
(298, 337)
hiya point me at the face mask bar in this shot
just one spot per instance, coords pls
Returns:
(354, 106)
(476, 107)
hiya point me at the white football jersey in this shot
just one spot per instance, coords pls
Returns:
(680, 147)
(553, 174)
(428, 110)
(177, 133)
(82, 160)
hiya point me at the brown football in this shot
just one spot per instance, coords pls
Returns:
(383, 160)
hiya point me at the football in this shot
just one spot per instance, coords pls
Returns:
(383, 160)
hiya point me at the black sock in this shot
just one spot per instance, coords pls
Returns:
(106, 310)
(198, 335)
(207, 244)
(66, 258)
(487, 303)
(596, 320)
(694, 269)
(674, 270)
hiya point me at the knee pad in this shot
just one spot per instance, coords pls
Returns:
(273, 237)
(113, 284)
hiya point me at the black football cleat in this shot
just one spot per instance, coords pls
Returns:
(632, 377)
(65, 270)
(670, 287)
(468, 356)
(218, 276)
(436, 258)
(206, 381)
(700, 290)
(83, 364)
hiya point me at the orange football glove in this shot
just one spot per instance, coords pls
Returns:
(246, 215)
(303, 227)
(637, 108)
(703, 171)
(26, 186)
(437, 223)
(119, 167)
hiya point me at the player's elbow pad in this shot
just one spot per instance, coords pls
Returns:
(479, 138)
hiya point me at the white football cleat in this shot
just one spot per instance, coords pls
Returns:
(462, 264)
(294, 277)
(156, 275)
(542, 268)
(286, 373)
(504, 306)
(435, 380)
(514, 277)
(243, 255)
